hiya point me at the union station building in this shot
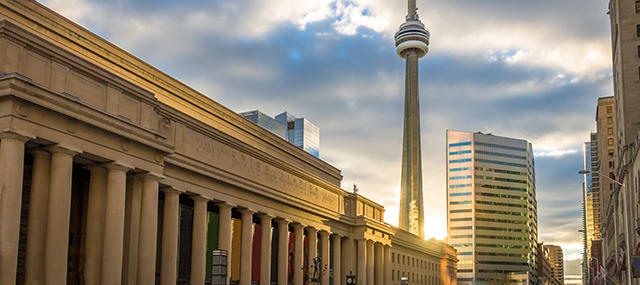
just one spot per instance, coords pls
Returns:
(112, 172)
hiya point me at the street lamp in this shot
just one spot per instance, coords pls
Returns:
(626, 223)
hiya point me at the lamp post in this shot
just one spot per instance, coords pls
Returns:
(625, 218)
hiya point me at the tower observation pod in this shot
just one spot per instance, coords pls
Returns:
(412, 35)
(412, 43)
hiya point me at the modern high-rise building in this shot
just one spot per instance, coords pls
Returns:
(412, 43)
(301, 133)
(556, 259)
(591, 202)
(491, 207)
(298, 131)
(266, 122)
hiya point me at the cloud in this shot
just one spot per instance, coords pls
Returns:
(523, 69)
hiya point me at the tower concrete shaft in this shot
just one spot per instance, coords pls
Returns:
(412, 43)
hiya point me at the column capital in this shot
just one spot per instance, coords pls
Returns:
(336, 236)
(15, 136)
(223, 204)
(151, 175)
(282, 221)
(168, 190)
(117, 166)
(198, 198)
(312, 229)
(297, 225)
(246, 211)
(264, 215)
(324, 233)
(62, 149)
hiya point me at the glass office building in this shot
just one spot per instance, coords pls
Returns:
(298, 131)
(301, 133)
(492, 208)
(266, 122)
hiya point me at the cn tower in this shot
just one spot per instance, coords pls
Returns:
(412, 43)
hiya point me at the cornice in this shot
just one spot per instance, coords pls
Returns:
(23, 88)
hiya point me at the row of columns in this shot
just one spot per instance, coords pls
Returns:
(374, 262)
(375, 258)
(48, 229)
(49, 217)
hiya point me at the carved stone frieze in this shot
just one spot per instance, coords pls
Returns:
(222, 156)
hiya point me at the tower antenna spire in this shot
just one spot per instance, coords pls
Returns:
(413, 9)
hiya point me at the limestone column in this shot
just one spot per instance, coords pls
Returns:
(362, 261)
(112, 250)
(283, 251)
(370, 262)
(224, 232)
(378, 265)
(57, 241)
(266, 232)
(148, 230)
(37, 226)
(133, 205)
(96, 206)
(387, 264)
(170, 224)
(298, 253)
(247, 245)
(11, 172)
(199, 240)
(312, 237)
(337, 256)
(324, 258)
(348, 258)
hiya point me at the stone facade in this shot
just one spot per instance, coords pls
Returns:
(112, 172)
(620, 238)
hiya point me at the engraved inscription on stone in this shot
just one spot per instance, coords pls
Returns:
(219, 155)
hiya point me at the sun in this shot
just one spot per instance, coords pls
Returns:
(435, 227)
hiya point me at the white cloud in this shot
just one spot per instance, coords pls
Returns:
(556, 153)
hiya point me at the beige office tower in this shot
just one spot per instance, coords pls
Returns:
(491, 208)
(557, 261)
(606, 141)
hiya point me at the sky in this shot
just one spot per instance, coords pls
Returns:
(524, 69)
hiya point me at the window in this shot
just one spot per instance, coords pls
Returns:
(638, 30)
(637, 6)
(393, 274)
(393, 257)
(610, 108)
(469, 143)
(611, 152)
(609, 120)
(610, 131)
(610, 141)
